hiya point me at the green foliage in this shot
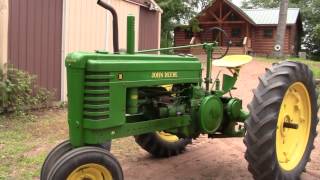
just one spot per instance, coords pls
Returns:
(311, 16)
(19, 94)
(176, 12)
(310, 12)
(318, 91)
(260, 3)
(194, 25)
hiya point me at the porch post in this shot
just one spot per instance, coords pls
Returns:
(247, 30)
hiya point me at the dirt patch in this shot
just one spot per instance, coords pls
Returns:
(203, 160)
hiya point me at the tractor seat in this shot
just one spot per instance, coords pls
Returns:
(232, 61)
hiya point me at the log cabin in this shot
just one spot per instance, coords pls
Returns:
(252, 31)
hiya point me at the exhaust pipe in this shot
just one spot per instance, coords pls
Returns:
(115, 24)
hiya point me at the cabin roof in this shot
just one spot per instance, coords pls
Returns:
(271, 16)
(261, 16)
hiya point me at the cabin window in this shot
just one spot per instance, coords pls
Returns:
(268, 33)
(188, 33)
(233, 17)
(235, 32)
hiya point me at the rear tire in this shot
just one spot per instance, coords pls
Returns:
(159, 147)
(262, 137)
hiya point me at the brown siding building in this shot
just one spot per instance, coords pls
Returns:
(36, 35)
(250, 30)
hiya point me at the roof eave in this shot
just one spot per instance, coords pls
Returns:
(156, 6)
(236, 8)
(152, 7)
(288, 24)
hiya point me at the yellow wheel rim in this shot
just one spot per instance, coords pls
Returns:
(90, 172)
(293, 126)
(167, 136)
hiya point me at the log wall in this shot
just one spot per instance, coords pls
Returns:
(264, 45)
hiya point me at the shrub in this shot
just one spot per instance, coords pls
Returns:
(19, 93)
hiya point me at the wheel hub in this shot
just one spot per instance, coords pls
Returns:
(90, 172)
(293, 126)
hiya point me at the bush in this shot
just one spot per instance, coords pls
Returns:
(19, 93)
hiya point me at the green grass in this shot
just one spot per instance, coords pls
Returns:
(318, 90)
(313, 65)
(25, 143)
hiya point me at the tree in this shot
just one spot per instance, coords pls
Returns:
(260, 3)
(176, 12)
(311, 16)
(281, 28)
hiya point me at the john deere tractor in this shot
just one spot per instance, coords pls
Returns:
(164, 102)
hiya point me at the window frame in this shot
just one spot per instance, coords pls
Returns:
(188, 33)
(268, 33)
(236, 34)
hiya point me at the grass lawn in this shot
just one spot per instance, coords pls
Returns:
(25, 143)
(313, 65)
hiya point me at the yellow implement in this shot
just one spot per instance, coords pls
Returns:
(233, 61)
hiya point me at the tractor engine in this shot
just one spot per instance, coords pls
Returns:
(159, 102)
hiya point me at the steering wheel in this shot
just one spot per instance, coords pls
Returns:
(219, 35)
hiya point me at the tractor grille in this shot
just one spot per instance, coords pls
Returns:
(96, 96)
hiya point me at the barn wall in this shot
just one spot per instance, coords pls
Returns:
(84, 26)
(35, 35)
(4, 22)
(149, 35)
(65, 26)
(159, 29)
(84, 30)
(124, 9)
(264, 46)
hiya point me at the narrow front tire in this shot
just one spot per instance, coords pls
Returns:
(86, 163)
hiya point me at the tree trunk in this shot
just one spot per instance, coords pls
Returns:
(281, 29)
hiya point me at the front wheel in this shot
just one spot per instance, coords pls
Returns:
(282, 125)
(86, 163)
(58, 152)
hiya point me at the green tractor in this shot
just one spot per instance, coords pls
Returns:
(164, 102)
